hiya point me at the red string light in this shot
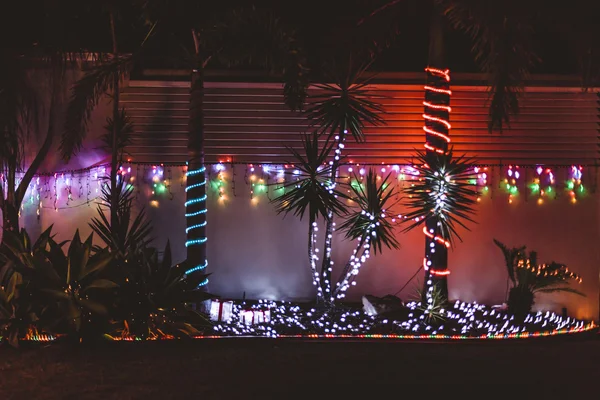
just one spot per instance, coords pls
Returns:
(438, 239)
(445, 74)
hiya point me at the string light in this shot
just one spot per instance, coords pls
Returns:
(201, 202)
(197, 268)
(56, 190)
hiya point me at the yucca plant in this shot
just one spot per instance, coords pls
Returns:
(529, 278)
(441, 199)
(308, 191)
(434, 312)
(340, 110)
(128, 234)
(152, 301)
(368, 224)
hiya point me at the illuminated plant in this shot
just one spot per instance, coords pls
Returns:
(433, 311)
(340, 110)
(529, 278)
(309, 190)
(440, 199)
(368, 225)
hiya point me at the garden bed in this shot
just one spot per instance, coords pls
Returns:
(460, 321)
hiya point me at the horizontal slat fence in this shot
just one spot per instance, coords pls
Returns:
(248, 123)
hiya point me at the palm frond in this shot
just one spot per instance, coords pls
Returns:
(369, 217)
(511, 258)
(347, 106)
(124, 129)
(258, 38)
(503, 46)
(307, 187)
(85, 95)
(442, 190)
(20, 107)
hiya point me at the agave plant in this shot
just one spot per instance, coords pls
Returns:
(70, 282)
(18, 315)
(309, 191)
(529, 278)
(152, 302)
(19, 306)
(367, 224)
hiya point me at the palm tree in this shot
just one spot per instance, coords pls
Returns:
(501, 36)
(309, 190)
(236, 37)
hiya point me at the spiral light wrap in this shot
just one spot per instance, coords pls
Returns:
(436, 126)
(195, 208)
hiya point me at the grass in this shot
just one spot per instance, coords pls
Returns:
(266, 368)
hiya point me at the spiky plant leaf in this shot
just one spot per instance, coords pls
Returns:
(372, 199)
(346, 105)
(124, 129)
(308, 186)
(442, 191)
(85, 95)
(511, 258)
(127, 235)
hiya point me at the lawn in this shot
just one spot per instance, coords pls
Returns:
(259, 367)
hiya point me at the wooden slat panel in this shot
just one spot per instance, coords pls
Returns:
(253, 125)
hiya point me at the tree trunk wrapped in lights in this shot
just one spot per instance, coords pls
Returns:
(195, 204)
(340, 110)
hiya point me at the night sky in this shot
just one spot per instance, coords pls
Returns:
(321, 26)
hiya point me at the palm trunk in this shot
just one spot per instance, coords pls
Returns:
(326, 266)
(196, 174)
(114, 196)
(312, 258)
(15, 196)
(436, 253)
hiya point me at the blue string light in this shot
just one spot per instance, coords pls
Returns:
(196, 213)
(195, 242)
(196, 171)
(201, 199)
(204, 282)
(195, 185)
(195, 227)
(194, 201)
(197, 268)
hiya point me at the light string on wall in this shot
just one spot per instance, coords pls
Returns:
(63, 190)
